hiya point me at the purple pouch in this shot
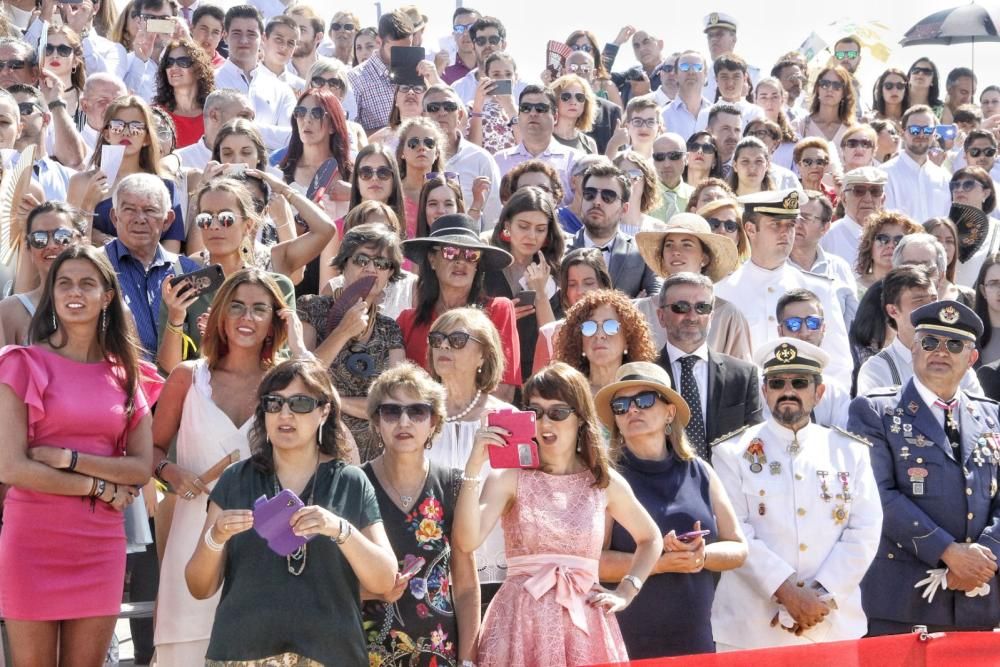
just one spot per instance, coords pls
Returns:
(271, 521)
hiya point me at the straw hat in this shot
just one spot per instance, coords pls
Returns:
(723, 254)
(644, 375)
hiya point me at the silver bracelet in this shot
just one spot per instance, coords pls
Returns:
(345, 531)
(211, 543)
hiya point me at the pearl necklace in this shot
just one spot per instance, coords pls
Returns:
(468, 408)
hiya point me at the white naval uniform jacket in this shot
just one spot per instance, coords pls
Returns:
(792, 529)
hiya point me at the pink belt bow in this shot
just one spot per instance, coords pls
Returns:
(571, 576)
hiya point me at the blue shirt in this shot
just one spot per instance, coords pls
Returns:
(141, 287)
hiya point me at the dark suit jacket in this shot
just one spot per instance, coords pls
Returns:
(605, 122)
(629, 273)
(989, 377)
(733, 393)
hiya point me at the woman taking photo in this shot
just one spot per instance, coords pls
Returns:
(407, 103)
(703, 159)
(882, 232)
(973, 198)
(184, 78)
(831, 111)
(682, 493)
(923, 86)
(891, 96)
(420, 151)
(576, 108)
(433, 610)
(490, 119)
(751, 165)
(72, 465)
(646, 198)
(296, 447)
(452, 264)
(365, 343)
(554, 524)
(63, 57)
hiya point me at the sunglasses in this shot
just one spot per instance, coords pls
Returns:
(917, 130)
(184, 62)
(859, 191)
(885, 239)
(258, 311)
(446, 175)
(965, 185)
(690, 67)
(777, 384)
(453, 254)
(859, 143)
(337, 27)
(609, 327)
(299, 403)
(316, 113)
(225, 218)
(460, 29)
(684, 307)
(669, 69)
(132, 127)
(416, 89)
(363, 260)
(456, 340)
(332, 82)
(428, 142)
(13, 64)
(922, 70)
(368, 173)
(795, 324)
(707, 149)
(581, 69)
(817, 161)
(567, 96)
(644, 122)
(953, 345)
(582, 47)
(828, 83)
(557, 413)
(434, 107)
(976, 152)
(731, 226)
(39, 240)
(890, 85)
(634, 175)
(673, 156)
(393, 412)
(28, 108)
(845, 54)
(492, 40)
(537, 107)
(644, 400)
(64, 50)
(607, 196)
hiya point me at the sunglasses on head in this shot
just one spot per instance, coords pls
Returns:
(132, 127)
(885, 239)
(859, 143)
(567, 96)
(225, 219)
(434, 107)
(609, 327)
(684, 307)
(845, 54)
(795, 324)
(64, 50)
(931, 343)
(184, 62)
(393, 412)
(690, 67)
(557, 413)
(673, 156)
(332, 82)
(890, 85)
(363, 260)
(39, 239)
(413, 142)
(917, 130)
(582, 47)
(368, 173)
(817, 161)
(830, 83)
(965, 185)
(316, 113)
(456, 339)
(731, 226)
(644, 400)
(607, 196)
(451, 253)
(865, 190)
(777, 384)
(537, 107)
(299, 403)
(492, 40)
(337, 27)
(707, 149)
(976, 152)
(13, 64)
(922, 70)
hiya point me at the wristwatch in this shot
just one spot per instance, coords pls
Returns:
(57, 104)
(634, 580)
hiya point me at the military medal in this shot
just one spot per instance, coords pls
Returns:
(913, 407)
(839, 515)
(917, 477)
(977, 456)
(794, 448)
(845, 492)
(824, 489)
(904, 452)
(761, 510)
(775, 467)
(921, 441)
(755, 454)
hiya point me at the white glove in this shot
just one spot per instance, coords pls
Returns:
(979, 591)
(938, 578)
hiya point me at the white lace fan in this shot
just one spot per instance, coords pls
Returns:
(13, 187)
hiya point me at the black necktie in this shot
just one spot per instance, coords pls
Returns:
(950, 422)
(689, 392)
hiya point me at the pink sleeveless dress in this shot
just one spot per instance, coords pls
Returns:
(554, 520)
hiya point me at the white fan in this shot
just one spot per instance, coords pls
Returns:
(13, 187)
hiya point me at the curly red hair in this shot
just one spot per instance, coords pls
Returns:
(639, 341)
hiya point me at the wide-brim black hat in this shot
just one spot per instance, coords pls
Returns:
(461, 231)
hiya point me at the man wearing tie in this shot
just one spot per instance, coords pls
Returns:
(722, 391)
(935, 454)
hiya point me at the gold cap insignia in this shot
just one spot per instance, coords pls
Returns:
(949, 315)
(713, 18)
(785, 353)
(791, 201)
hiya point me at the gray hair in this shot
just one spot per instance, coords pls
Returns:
(376, 234)
(443, 89)
(921, 238)
(327, 66)
(103, 77)
(587, 161)
(143, 185)
(686, 278)
(221, 97)
(31, 55)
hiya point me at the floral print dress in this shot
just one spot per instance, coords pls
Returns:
(420, 628)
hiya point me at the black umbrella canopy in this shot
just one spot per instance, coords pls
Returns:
(958, 25)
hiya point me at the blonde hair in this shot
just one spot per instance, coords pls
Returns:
(407, 378)
(586, 120)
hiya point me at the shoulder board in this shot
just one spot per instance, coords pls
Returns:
(828, 279)
(852, 436)
(982, 399)
(881, 392)
(728, 436)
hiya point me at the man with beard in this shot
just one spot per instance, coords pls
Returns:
(721, 391)
(790, 71)
(917, 186)
(935, 454)
(310, 37)
(606, 191)
(809, 507)
(863, 195)
(725, 124)
(847, 51)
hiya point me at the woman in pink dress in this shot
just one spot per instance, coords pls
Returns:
(77, 447)
(551, 610)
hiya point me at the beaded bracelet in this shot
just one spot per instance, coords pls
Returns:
(474, 481)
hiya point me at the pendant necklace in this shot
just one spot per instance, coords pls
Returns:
(406, 500)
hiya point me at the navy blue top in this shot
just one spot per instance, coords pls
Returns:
(568, 220)
(103, 224)
(672, 614)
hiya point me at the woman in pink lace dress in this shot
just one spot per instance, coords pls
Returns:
(551, 610)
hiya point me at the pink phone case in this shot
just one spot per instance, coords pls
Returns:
(521, 450)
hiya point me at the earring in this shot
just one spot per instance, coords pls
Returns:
(427, 445)
(479, 370)
(669, 430)
(55, 323)
(104, 320)
(505, 235)
(319, 432)
(246, 250)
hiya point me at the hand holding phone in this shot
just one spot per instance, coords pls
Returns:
(689, 537)
(272, 521)
(414, 567)
(201, 281)
(521, 450)
(502, 87)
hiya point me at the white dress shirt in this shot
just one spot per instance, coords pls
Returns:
(876, 373)
(470, 161)
(843, 239)
(930, 398)
(677, 118)
(140, 76)
(700, 371)
(559, 157)
(195, 156)
(919, 191)
(272, 100)
(748, 112)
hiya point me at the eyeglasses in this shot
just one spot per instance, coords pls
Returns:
(316, 113)
(299, 403)
(609, 327)
(644, 122)
(225, 219)
(818, 161)
(860, 191)
(777, 384)
(922, 70)
(557, 413)
(644, 400)
(669, 69)
(953, 345)
(580, 69)
(337, 27)
(492, 40)
(567, 96)
(537, 107)
(707, 149)
(731, 226)
(446, 175)
(13, 64)
(811, 322)
(917, 130)
(829, 83)
(64, 50)
(453, 254)
(890, 85)
(885, 239)
(434, 107)
(763, 135)
(456, 339)
(257, 311)
(368, 173)
(846, 54)
(607, 196)
(965, 185)
(184, 62)
(332, 82)
(28, 108)
(132, 127)
(685, 307)
(39, 240)
(976, 152)
(690, 67)
(673, 156)
(859, 143)
(415, 89)
(393, 412)
(582, 47)
(363, 260)
(413, 142)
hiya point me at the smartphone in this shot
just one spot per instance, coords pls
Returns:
(502, 87)
(272, 521)
(201, 281)
(162, 26)
(693, 535)
(415, 567)
(521, 450)
(525, 297)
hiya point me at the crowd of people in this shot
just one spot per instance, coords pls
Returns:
(346, 348)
